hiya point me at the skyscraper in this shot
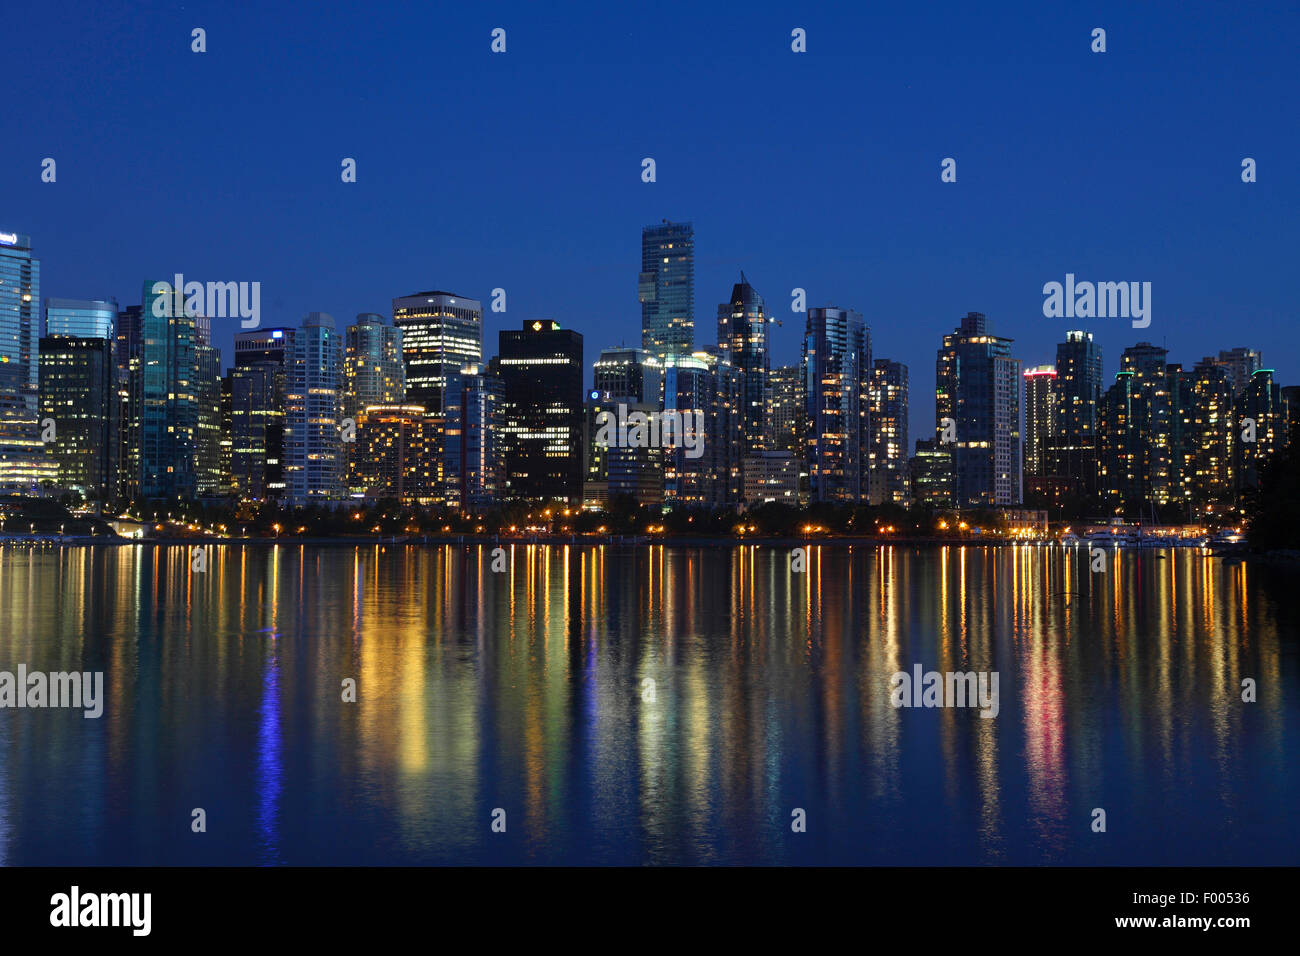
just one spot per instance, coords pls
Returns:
(888, 482)
(1260, 415)
(703, 388)
(373, 366)
(1071, 448)
(441, 333)
(633, 379)
(742, 334)
(837, 382)
(78, 393)
(785, 410)
(24, 464)
(1040, 417)
(478, 466)
(394, 454)
(127, 353)
(666, 289)
(258, 383)
(1241, 363)
(978, 390)
(314, 461)
(169, 394)
(540, 367)
(82, 318)
(209, 478)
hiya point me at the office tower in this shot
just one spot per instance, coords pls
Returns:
(1211, 475)
(1156, 462)
(1071, 449)
(81, 318)
(127, 351)
(785, 411)
(666, 289)
(977, 389)
(930, 471)
(1241, 364)
(441, 333)
(625, 381)
(227, 437)
(313, 443)
(540, 367)
(373, 366)
(258, 383)
(1120, 454)
(1040, 417)
(628, 375)
(209, 479)
(24, 465)
(742, 334)
(478, 468)
(394, 458)
(78, 393)
(703, 390)
(77, 396)
(169, 399)
(617, 468)
(1260, 414)
(887, 460)
(771, 476)
(836, 374)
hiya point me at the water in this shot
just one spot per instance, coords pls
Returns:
(527, 691)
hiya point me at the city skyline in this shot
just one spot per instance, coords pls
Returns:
(865, 223)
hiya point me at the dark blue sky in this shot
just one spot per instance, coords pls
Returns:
(818, 170)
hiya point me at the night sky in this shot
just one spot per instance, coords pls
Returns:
(817, 170)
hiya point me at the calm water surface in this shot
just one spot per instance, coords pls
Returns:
(647, 706)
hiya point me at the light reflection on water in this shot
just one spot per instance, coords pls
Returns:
(647, 705)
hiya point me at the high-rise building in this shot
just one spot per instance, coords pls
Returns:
(78, 398)
(394, 454)
(1071, 449)
(931, 473)
(1040, 417)
(169, 394)
(540, 367)
(625, 374)
(785, 411)
(441, 333)
(1241, 364)
(1261, 415)
(82, 318)
(1212, 485)
(887, 460)
(666, 289)
(836, 385)
(977, 391)
(742, 334)
(373, 366)
(209, 478)
(477, 468)
(630, 379)
(771, 476)
(313, 442)
(78, 393)
(706, 469)
(24, 465)
(127, 353)
(258, 383)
